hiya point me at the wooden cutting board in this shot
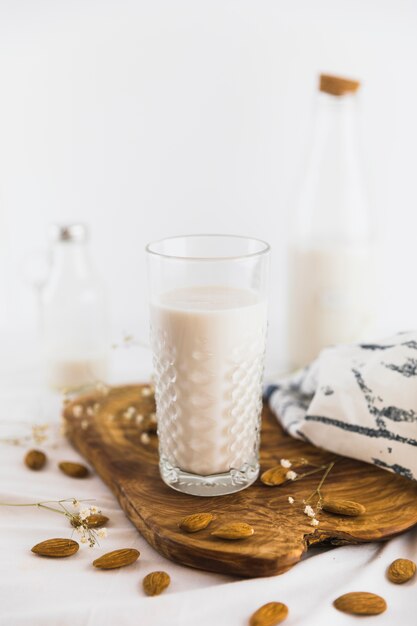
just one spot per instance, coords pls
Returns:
(109, 435)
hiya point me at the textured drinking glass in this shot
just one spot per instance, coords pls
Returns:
(208, 332)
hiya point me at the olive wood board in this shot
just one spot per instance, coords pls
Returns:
(109, 438)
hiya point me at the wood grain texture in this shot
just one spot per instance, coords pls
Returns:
(111, 441)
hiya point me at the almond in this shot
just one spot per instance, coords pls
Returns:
(92, 521)
(233, 531)
(155, 583)
(197, 521)
(269, 614)
(360, 603)
(117, 558)
(343, 507)
(277, 475)
(401, 570)
(56, 548)
(35, 459)
(74, 470)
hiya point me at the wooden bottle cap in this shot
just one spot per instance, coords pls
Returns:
(337, 86)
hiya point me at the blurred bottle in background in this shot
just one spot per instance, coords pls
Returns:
(330, 254)
(73, 313)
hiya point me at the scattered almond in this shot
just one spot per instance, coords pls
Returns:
(117, 558)
(95, 520)
(155, 583)
(197, 521)
(74, 470)
(360, 603)
(343, 507)
(275, 476)
(233, 531)
(35, 459)
(269, 614)
(401, 570)
(56, 548)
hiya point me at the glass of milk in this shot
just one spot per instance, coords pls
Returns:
(208, 300)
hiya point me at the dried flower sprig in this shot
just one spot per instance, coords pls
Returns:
(308, 509)
(317, 490)
(79, 519)
(284, 473)
(38, 435)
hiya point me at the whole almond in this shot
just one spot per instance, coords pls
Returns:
(343, 507)
(401, 570)
(269, 614)
(197, 521)
(117, 558)
(74, 470)
(56, 548)
(233, 531)
(360, 603)
(155, 583)
(35, 459)
(277, 475)
(95, 520)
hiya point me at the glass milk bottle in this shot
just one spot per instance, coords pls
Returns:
(73, 314)
(330, 261)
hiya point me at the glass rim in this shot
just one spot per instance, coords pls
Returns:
(265, 248)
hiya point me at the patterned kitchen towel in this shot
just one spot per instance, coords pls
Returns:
(358, 401)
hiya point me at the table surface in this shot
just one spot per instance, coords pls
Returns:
(45, 592)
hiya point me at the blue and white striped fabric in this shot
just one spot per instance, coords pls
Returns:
(358, 401)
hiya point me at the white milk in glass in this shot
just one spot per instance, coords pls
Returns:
(208, 345)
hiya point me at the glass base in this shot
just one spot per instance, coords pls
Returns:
(213, 485)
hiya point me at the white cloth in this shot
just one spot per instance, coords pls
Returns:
(358, 401)
(35, 591)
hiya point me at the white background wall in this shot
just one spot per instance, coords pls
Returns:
(162, 117)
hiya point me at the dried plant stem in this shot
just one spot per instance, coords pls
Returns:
(317, 490)
(309, 473)
(78, 520)
(44, 503)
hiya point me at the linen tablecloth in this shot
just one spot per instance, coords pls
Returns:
(44, 592)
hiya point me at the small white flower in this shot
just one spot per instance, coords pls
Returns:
(102, 533)
(291, 475)
(129, 413)
(139, 418)
(146, 391)
(83, 539)
(77, 410)
(314, 522)
(145, 439)
(83, 514)
(75, 503)
(309, 511)
(84, 424)
(291, 500)
(94, 510)
(285, 463)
